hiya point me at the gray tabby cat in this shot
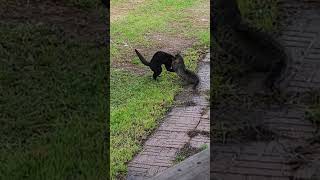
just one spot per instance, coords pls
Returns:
(256, 50)
(188, 76)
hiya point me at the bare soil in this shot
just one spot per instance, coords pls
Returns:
(120, 11)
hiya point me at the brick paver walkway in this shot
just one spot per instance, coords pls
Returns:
(160, 150)
(269, 159)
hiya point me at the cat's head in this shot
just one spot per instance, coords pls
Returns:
(178, 56)
(177, 59)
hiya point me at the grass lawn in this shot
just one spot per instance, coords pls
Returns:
(137, 101)
(52, 103)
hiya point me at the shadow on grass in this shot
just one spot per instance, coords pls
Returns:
(53, 105)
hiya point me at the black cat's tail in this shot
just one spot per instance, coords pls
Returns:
(142, 59)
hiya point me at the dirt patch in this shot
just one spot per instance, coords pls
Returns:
(84, 25)
(198, 15)
(170, 43)
(160, 42)
(118, 12)
(127, 66)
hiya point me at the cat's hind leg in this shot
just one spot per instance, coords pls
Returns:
(156, 73)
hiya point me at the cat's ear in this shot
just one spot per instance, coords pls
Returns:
(177, 55)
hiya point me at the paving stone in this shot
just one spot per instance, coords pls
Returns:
(168, 139)
(256, 159)
(289, 122)
(137, 177)
(158, 151)
(146, 165)
(189, 111)
(200, 100)
(204, 75)
(199, 141)
(153, 171)
(222, 176)
(316, 77)
(207, 58)
(266, 178)
(179, 123)
(307, 86)
(204, 124)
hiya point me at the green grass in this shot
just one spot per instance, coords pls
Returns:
(137, 101)
(116, 2)
(191, 57)
(52, 105)
(143, 20)
(261, 13)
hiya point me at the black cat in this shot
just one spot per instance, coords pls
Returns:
(157, 60)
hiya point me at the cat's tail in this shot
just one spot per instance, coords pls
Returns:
(142, 59)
